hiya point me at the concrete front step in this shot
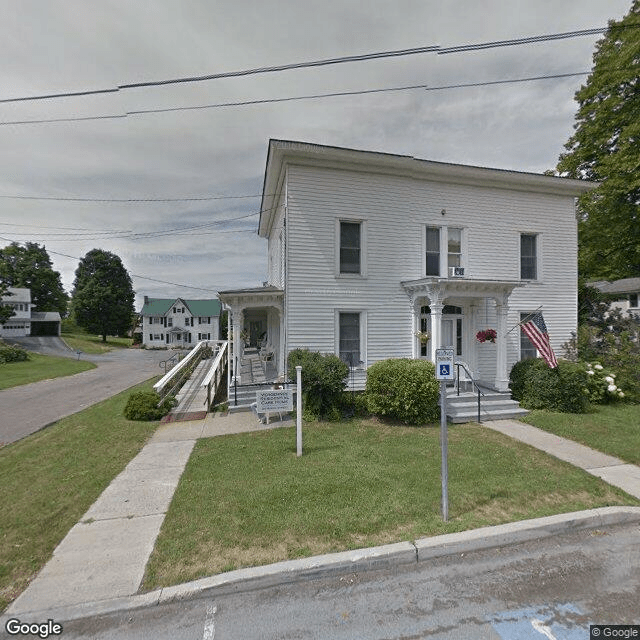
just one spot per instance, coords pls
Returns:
(493, 406)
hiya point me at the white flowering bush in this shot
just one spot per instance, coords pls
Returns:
(601, 385)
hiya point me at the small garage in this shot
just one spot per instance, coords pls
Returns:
(45, 323)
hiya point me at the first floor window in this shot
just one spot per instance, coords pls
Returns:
(527, 348)
(349, 339)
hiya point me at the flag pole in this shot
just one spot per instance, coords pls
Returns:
(533, 313)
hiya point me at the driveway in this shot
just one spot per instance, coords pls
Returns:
(47, 345)
(29, 408)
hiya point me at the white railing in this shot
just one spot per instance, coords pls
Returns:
(172, 380)
(214, 377)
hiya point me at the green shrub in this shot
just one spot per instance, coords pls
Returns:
(324, 378)
(146, 405)
(355, 404)
(602, 385)
(564, 389)
(404, 389)
(9, 353)
(518, 377)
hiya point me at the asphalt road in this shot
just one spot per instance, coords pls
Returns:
(29, 408)
(553, 589)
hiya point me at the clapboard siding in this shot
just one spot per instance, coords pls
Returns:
(396, 210)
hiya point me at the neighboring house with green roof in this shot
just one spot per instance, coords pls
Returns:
(178, 322)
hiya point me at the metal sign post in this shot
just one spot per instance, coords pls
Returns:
(444, 372)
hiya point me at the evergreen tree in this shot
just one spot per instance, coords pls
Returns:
(103, 297)
(606, 147)
(30, 266)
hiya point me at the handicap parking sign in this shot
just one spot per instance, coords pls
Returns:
(444, 364)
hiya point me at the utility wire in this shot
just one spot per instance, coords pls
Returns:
(318, 63)
(79, 199)
(133, 275)
(317, 96)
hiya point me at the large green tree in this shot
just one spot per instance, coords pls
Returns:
(6, 311)
(103, 297)
(606, 147)
(30, 266)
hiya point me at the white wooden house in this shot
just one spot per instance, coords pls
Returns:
(178, 322)
(373, 255)
(624, 294)
(25, 321)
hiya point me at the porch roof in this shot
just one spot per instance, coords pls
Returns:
(460, 287)
(257, 296)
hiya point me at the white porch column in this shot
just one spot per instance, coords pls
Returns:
(237, 318)
(436, 326)
(471, 328)
(282, 365)
(502, 379)
(415, 326)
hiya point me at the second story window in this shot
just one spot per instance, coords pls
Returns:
(433, 251)
(528, 257)
(454, 247)
(350, 243)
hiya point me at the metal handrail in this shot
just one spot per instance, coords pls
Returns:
(473, 382)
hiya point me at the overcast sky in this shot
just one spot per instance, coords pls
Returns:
(56, 46)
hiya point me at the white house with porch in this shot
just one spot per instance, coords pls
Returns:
(178, 322)
(373, 255)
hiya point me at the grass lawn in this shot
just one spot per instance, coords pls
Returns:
(39, 367)
(87, 343)
(246, 500)
(49, 479)
(612, 429)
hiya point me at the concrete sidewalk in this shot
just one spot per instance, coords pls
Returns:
(104, 556)
(99, 565)
(612, 470)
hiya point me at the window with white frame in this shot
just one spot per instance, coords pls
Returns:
(454, 247)
(528, 256)
(436, 239)
(350, 337)
(350, 247)
(433, 252)
(527, 348)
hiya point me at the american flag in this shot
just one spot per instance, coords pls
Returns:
(536, 331)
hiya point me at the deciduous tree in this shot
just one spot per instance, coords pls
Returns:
(103, 297)
(30, 266)
(606, 147)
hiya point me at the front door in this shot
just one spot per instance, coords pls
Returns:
(452, 335)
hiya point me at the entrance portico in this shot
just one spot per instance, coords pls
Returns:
(256, 318)
(449, 310)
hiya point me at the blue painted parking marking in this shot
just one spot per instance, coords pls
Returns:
(553, 622)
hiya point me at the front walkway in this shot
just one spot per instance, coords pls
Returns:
(104, 556)
(101, 561)
(612, 470)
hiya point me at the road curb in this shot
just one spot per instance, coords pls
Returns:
(345, 562)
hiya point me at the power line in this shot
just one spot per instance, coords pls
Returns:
(316, 63)
(317, 96)
(137, 200)
(134, 275)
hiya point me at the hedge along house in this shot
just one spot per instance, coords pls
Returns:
(178, 322)
(373, 255)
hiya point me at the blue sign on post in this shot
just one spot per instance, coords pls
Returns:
(444, 364)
